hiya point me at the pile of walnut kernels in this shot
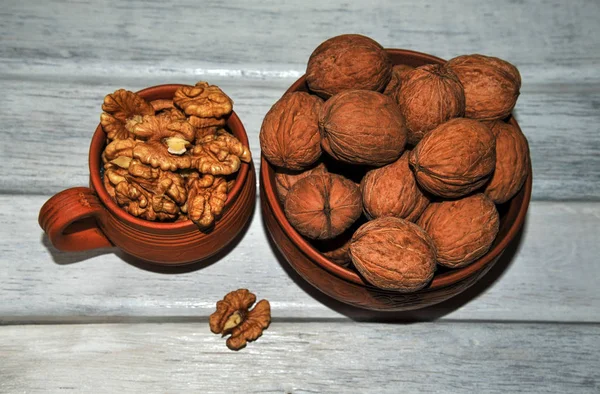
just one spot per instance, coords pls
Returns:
(393, 170)
(171, 160)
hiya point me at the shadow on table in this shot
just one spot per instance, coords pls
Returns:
(430, 313)
(66, 258)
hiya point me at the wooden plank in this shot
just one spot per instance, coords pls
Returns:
(550, 40)
(564, 147)
(294, 357)
(548, 277)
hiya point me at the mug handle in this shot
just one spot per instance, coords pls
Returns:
(75, 210)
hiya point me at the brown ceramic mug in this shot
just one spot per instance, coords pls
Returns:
(83, 218)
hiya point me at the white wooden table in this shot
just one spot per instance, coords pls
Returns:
(94, 322)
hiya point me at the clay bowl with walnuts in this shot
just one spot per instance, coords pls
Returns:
(84, 218)
(345, 284)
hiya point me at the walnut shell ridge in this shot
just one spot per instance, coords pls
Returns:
(393, 254)
(462, 230)
(323, 206)
(491, 85)
(362, 127)
(285, 179)
(392, 190)
(399, 72)
(455, 158)
(348, 61)
(289, 136)
(512, 162)
(430, 95)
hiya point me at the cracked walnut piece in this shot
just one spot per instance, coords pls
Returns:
(219, 154)
(203, 100)
(205, 199)
(233, 316)
(120, 108)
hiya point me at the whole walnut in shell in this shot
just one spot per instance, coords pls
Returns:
(289, 136)
(491, 85)
(362, 127)
(392, 190)
(285, 179)
(393, 254)
(399, 72)
(430, 95)
(462, 230)
(348, 61)
(512, 162)
(455, 158)
(323, 206)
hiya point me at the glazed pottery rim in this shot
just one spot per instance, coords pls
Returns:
(445, 279)
(97, 145)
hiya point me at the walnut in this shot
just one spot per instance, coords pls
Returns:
(285, 179)
(392, 190)
(176, 134)
(203, 100)
(337, 249)
(151, 148)
(138, 201)
(159, 182)
(289, 136)
(348, 61)
(118, 148)
(491, 85)
(157, 154)
(173, 113)
(144, 191)
(393, 254)
(234, 316)
(119, 107)
(323, 206)
(399, 72)
(205, 199)
(455, 158)
(362, 127)
(431, 95)
(113, 175)
(201, 123)
(219, 154)
(512, 162)
(462, 230)
(162, 104)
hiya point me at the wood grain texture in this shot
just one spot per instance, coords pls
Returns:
(549, 40)
(562, 130)
(303, 358)
(549, 277)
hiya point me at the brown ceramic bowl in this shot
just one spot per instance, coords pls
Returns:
(346, 285)
(84, 218)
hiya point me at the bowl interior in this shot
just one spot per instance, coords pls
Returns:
(234, 125)
(512, 213)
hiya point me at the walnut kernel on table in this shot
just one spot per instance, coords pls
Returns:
(159, 166)
(234, 316)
